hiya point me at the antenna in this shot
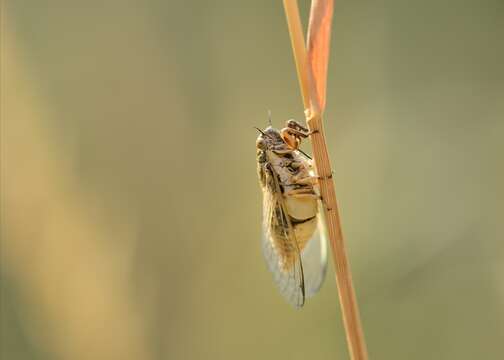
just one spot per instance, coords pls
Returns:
(269, 118)
(262, 132)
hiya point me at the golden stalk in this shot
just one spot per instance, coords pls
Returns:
(298, 47)
(313, 112)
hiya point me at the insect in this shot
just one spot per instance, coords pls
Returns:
(294, 240)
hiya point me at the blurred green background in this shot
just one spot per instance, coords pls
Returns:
(130, 208)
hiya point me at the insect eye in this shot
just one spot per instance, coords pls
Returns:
(261, 143)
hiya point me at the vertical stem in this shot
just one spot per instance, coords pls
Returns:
(298, 47)
(348, 301)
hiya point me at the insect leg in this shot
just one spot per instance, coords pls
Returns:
(306, 180)
(282, 151)
(312, 192)
(293, 124)
(328, 177)
(293, 132)
(302, 191)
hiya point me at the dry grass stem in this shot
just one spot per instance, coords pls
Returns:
(298, 47)
(312, 72)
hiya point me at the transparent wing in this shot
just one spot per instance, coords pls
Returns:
(280, 247)
(314, 257)
(290, 280)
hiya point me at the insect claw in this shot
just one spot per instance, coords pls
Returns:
(293, 124)
(328, 177)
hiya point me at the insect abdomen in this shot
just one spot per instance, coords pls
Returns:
(285, 246)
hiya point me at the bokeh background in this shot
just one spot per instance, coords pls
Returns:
(130, 209)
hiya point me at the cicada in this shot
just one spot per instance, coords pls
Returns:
(294, 239)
